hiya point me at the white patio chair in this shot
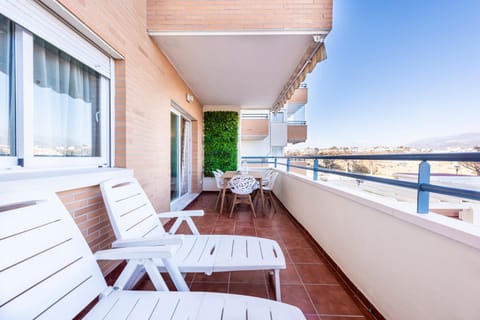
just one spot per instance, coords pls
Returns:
(220, 185)
(136, 223)
(242, 186)
(47, 272)
(268, 190)
(267, 177)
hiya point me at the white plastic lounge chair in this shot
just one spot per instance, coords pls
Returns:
(135, 222)
(47, 271)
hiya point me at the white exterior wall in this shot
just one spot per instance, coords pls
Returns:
(409, 266)
(256, 147)
(278, 133)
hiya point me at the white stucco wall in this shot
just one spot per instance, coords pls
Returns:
(409, 266)
(255, 147)
(278, 132)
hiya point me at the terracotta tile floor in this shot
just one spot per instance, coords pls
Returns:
(308, 281)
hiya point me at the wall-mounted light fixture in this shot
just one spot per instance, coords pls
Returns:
(189, 97)
(317, 38)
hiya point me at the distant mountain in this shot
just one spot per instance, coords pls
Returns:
(465, 140)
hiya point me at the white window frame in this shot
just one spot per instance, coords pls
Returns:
(177, 110)
(88, 54)
(10, 161)
(279, 117)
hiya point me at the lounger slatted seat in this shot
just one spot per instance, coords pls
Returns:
(47, 271)
(135, 222)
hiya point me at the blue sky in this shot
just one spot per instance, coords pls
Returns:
(397, 71)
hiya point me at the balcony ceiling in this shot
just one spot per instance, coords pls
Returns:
(241, 70)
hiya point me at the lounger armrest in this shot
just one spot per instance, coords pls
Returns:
(178, 214)
(153, 241)
(145, 256)
(134, 253)
(182, 216)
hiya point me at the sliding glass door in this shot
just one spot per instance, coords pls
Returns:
(180, 155)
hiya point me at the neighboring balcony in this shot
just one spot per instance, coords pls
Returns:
(254, 127)
(300, 97)
(296, 124)
(296, 131)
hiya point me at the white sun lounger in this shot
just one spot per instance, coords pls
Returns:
(47, 271)
(135, 222)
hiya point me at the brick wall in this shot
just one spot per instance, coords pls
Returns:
(237, 15)
(88, 210)
(197, 153)
(120, 115)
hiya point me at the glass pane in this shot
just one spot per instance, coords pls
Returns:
(7, 94)
(66, 104)
(174, 167)
(298, 117)
(184, 155)
(277, 117)
(179, 156)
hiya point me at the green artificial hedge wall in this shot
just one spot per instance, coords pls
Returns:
(220, 141)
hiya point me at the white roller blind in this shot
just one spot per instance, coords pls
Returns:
(42, 23)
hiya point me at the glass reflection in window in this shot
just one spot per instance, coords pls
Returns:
(66, 104)
(7, 93)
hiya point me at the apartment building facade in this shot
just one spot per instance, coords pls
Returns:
(267, 133)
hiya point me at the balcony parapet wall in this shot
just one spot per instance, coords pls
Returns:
(225, 15)
(398, 259)
(254, 128)
(296, 133)
(300, 96)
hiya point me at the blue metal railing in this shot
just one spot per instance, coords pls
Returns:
(297, 123)
(423, 186)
